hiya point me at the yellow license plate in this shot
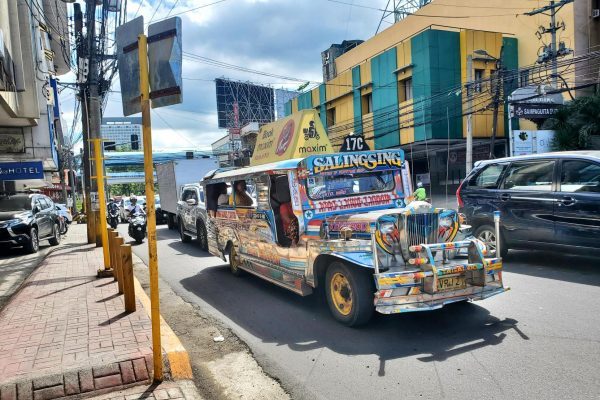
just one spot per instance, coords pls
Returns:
(451, 283)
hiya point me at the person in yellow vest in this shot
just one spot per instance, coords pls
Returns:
(420, 194)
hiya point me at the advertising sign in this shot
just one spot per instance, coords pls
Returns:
(355, 162)
(15, 171)
(533, 111)
(531, 142)
(12, 141)
(298, 135)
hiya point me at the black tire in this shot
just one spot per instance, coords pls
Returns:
(487, 234)
(139, 240)
(233, 262)
(201, 235)
(355, 287)
(170, 222)
(64, 229)
(34, 241)
(185, 238)
(55, 239)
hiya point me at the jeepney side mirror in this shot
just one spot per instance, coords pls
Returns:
(191, 202)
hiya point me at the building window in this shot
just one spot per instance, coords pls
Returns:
(405, 90)
(331, 116)
(367, 103)
(478, 84)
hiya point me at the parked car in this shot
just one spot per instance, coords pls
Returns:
(547, 201)
(26, 219)
(191, 215)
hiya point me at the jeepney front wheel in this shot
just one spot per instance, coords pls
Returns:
(349, 294)
(234, 261)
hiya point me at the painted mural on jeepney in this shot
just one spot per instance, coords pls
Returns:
(364, 193)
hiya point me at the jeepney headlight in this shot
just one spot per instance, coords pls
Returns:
(387, 227)
(446, 222)
(346, 233)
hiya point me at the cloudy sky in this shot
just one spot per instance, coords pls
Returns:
(284, 37)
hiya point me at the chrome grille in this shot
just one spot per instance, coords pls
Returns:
(417, 229)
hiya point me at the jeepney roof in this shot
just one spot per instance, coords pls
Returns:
(237, 172)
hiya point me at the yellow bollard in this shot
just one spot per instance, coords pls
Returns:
(118, 267)
(111, 238)
(127, 270)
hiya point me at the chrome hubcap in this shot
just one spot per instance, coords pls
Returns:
(489, 238)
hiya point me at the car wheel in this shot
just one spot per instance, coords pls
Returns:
(34, 241)
(184, 237)
(234, 261)
(202, 237)
(487, 234)
(170, 222)
(349, 293)
(55, 239)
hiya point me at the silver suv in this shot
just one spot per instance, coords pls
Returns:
(191, 214)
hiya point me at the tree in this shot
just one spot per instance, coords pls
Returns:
(575, 123)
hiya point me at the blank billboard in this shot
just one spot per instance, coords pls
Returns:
(239, 103)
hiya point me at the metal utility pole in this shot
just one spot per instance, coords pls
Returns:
(497, 90)
(551, 10)
(469, 157)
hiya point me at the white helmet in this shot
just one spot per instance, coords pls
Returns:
(419, 184)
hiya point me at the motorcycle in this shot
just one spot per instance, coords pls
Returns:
(137, 227)
(113, 217)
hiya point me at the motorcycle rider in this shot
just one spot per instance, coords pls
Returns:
(113, 212)
(133, 208)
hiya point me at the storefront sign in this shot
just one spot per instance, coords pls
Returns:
(15, 171)
(533, 111)
(354, 143)
(12, 141)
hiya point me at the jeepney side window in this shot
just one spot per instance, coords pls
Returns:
(244, 193)
(262, 192)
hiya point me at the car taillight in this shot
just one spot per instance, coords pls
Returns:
(458, 198)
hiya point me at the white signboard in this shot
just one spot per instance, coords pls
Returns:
(531, 142)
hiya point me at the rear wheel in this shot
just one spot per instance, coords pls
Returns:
(487, 234)
(349, 293)
(185, 238)
(170, 221)
(55, 239)
(34, 242)
(202, 237)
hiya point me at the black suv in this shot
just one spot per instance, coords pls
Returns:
(549, 201)
(25, 219)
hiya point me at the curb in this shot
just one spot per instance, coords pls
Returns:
(177, 355)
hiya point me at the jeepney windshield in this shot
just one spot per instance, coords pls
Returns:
(343, 185)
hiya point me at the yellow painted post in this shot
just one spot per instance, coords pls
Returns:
(150, 207)
(118, 267)
(101, 199)
(110, 233)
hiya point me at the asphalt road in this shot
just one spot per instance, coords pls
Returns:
(539, 340)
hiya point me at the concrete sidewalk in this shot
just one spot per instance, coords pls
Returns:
(66, 332)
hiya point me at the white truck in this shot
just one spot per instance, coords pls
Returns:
(172, 176)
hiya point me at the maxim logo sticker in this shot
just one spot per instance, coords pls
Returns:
(368, 161)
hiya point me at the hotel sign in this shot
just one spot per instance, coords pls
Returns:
(15, 171)
(12, 141)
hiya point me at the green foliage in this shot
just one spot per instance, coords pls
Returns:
(575, 123)
(125, 189)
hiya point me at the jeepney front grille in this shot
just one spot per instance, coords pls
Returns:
(418, 229)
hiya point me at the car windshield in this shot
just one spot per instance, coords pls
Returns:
(16, 203)
(342, 185)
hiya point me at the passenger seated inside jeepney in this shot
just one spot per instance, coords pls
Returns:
(286, 222)
(239, 196)
(223, 199)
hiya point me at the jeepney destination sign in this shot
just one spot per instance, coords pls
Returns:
(366, 161)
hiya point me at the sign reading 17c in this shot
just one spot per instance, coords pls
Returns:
(354, 143)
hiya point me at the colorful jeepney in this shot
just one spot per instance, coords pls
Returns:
(358, 238)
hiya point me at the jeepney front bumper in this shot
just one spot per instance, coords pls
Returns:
(434, 284)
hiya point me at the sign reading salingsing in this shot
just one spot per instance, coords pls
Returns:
(364, 161)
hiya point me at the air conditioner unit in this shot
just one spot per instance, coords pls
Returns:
(596, 13)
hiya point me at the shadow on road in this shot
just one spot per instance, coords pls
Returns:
(559, 266)
(303, 323)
